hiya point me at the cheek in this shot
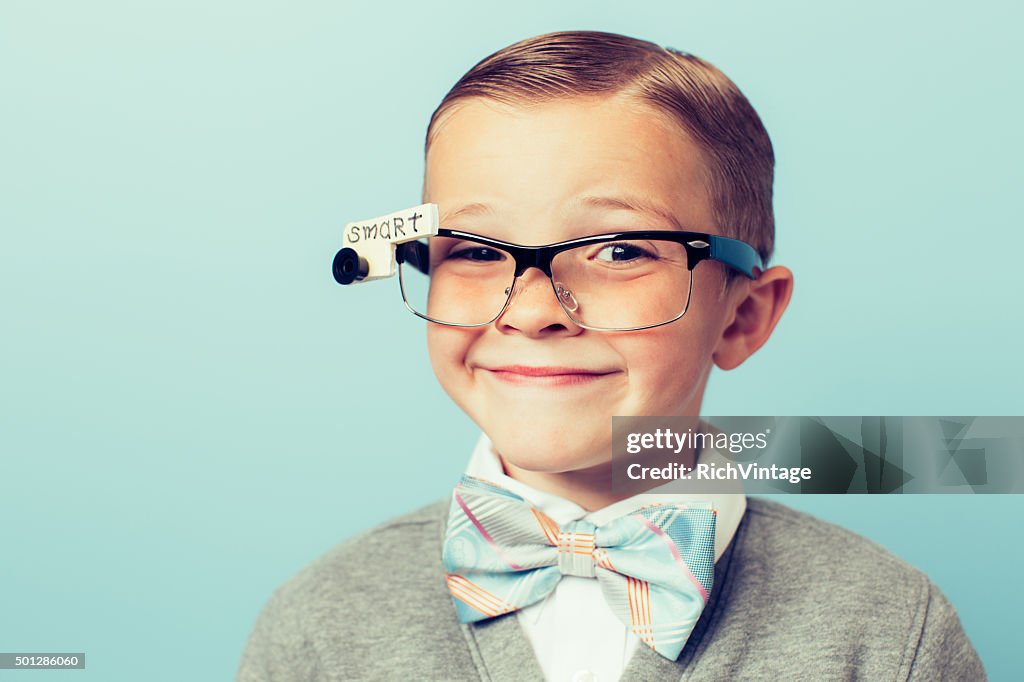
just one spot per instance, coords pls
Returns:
(439, 351)
(666, 367)
(447, 348)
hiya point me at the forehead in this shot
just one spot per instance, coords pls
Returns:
(563, 160)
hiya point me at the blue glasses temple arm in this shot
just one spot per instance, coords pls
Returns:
(736, 254)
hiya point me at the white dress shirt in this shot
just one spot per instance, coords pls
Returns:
(574, 633)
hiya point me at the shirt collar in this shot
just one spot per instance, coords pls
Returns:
(484, 463)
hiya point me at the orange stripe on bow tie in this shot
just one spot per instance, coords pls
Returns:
(602, 558)
(577, 543)
(476, 596)
(640, 609)
(547, 524)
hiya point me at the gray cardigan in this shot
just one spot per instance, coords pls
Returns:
(795, 598)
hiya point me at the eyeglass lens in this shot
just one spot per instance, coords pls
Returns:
(610, 285)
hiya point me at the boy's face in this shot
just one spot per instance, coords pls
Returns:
(551, 172)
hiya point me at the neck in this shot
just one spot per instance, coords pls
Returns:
(590, 488)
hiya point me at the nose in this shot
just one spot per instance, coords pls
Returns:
(533, 310)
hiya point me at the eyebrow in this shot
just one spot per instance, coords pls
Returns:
(629, 203)
(467, 210)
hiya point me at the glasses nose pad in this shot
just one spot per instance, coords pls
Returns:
(512, 291)
(566, 298)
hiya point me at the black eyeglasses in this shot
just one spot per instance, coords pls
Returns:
(623, 281)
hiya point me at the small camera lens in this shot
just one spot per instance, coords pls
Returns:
(348, 266)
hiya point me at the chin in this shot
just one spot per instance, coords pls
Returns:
(542, 451)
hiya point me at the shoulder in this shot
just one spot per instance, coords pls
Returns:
(384, 548)
(832, 595)
(355, 597)
(789, 550)
(782, 533)
(423, 525)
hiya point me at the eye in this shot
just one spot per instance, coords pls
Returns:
(476, 253)
(623, 252)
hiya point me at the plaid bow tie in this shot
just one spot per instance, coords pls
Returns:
(655, 566)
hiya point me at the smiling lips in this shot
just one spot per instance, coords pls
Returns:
(546, 376)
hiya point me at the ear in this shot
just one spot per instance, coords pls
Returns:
(754, 316)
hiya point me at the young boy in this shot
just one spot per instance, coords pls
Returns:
(534, 568)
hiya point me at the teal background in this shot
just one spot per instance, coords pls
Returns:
(191, 410)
